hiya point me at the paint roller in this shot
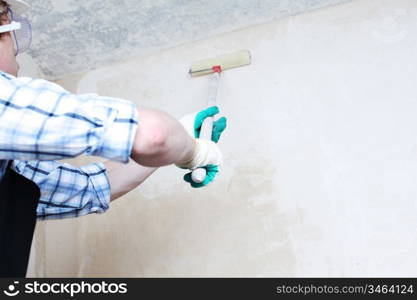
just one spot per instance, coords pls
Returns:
(215, 66)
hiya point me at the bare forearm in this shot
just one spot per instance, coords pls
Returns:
(160, 140)
(125, 177)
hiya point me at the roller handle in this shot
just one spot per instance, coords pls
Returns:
(199, 175)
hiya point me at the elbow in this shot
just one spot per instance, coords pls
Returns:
(151, 140)
(156, 140)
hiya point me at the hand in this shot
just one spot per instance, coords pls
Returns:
(207, 154)
(192, 123)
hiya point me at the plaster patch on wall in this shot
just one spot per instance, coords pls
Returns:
(224, 231)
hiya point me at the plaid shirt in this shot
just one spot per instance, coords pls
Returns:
(40, 122)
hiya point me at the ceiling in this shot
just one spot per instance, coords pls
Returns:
(72, 36)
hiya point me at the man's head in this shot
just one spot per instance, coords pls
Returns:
(9, 40)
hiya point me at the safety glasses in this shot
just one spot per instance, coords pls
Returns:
(20, 29)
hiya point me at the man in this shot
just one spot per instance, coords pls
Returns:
(40, 122)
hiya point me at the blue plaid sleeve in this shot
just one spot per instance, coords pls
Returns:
(42, 121)
(67, 191)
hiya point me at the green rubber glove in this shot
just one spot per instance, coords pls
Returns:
(211, 171)
(218, 126)
(192, 124)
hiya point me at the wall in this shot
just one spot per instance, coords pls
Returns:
(74, 36)
(320, 157)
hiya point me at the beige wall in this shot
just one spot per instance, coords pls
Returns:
(320, 157)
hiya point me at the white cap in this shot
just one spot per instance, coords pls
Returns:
(18, 6)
